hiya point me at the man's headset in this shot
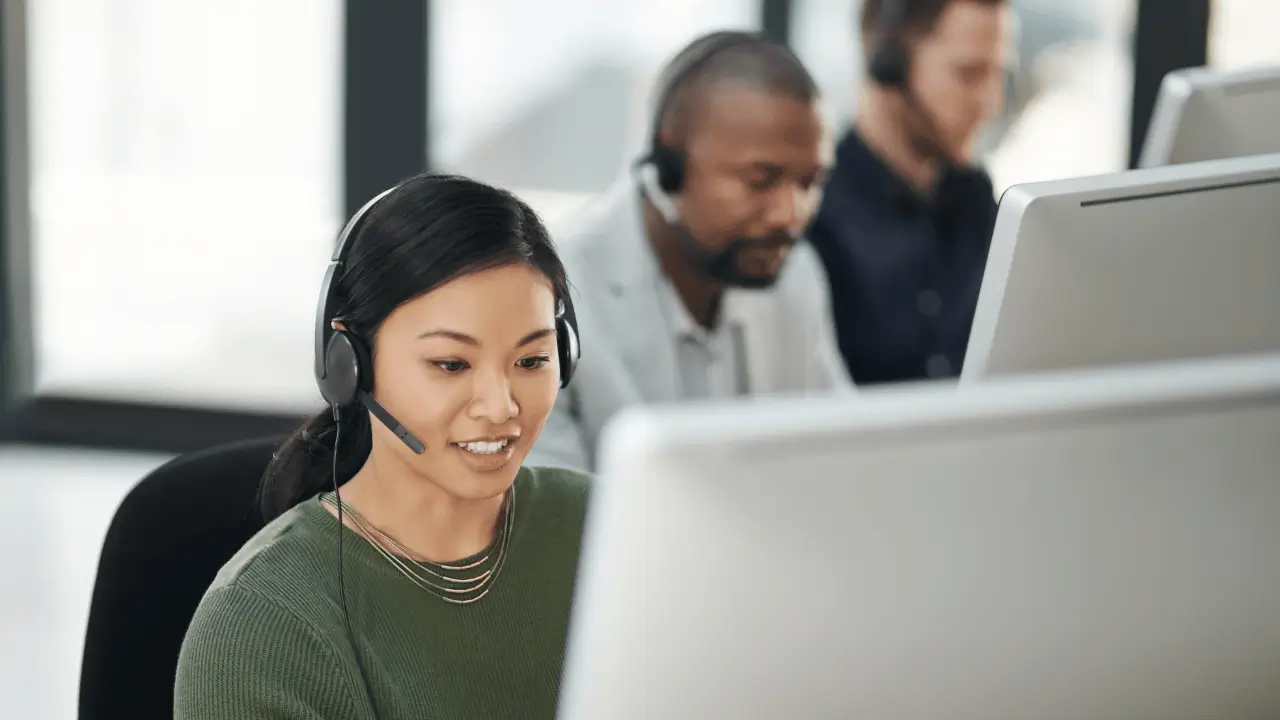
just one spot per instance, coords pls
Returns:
(890, 62)
(668, 162)
(343, 365)
(890, 67)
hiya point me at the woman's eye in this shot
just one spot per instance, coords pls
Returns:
(533, 363)
(450, 366)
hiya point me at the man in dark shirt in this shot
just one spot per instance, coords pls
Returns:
(907, 218)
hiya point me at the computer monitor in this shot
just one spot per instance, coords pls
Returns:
(1201, 115)
(1101, 546)
(1133, 267)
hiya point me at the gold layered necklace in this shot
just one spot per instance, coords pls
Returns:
(460, 583)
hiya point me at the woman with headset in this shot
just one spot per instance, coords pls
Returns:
(413, 568)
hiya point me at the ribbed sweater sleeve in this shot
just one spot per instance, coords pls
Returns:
(246, 657)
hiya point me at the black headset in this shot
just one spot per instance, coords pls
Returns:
(890, 65)
(343, 366)
(890, 62)
(668, 161)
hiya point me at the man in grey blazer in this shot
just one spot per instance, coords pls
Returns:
(688, 280)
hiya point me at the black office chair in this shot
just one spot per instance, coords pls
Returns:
(168, 539)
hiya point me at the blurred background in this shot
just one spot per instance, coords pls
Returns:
(175, 172)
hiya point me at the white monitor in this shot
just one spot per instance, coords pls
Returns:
(1201, 115)
(1132, 267)
(1105, 546)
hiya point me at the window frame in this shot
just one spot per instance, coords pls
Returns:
(385, 138)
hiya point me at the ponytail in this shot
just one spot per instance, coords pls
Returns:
(303, 466)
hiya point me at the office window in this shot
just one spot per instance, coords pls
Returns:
(551, 98)
(1242, 34)
(185, 167)
(1069, 91)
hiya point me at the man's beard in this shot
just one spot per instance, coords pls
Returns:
(723, 265)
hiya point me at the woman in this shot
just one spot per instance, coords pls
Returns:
(445, 590)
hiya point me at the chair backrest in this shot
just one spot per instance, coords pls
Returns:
(167, 541)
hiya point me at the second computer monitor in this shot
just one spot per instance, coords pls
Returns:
(1202, 114)
(1133, 267)
(1101, 545)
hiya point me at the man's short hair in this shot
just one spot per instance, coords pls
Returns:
(755, 63)
(919, 16)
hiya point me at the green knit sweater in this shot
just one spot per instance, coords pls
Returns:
(269, 639)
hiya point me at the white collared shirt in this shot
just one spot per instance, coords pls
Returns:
(710, 363)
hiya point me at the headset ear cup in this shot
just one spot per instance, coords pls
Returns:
(888, 66)
(346, 369)
(669, 163)
(567, 348)
(341, 377)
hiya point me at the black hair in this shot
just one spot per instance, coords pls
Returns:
(431, 229)
(918, 17)
(755, 63)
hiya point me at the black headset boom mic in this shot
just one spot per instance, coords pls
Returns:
(344, 370)
(890, 66)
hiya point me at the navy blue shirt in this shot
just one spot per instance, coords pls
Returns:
(904, 270)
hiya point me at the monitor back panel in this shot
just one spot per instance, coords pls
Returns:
(1136, 274)
(1050, 555)
(1205, 115)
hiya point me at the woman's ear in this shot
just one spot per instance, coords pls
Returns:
(338, 325)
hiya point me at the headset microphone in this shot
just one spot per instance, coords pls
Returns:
(343, 367)
(647, 178)
(931, 135)
(890, 66)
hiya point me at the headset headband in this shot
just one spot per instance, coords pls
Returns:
(893, 16)
(688, 62)
(327, 310)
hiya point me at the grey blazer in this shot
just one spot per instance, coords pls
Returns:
(628, 350)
